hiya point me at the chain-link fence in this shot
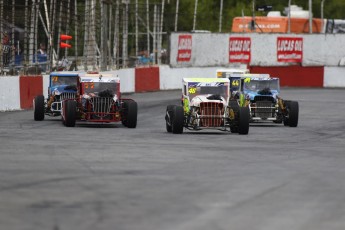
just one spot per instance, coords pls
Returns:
(106, 34)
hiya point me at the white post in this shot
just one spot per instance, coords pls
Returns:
(148, 27)
(220, 16)
(136, 29)
(310, 17)
(289, 17)
(176, 15)
(322, 4)
(195, 10)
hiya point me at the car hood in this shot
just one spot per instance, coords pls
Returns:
(57, 90)
(206, 98)
(251, 94)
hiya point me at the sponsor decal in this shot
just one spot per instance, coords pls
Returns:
(289, 49)
(184, 52)
(239, 49)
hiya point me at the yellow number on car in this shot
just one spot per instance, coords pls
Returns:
(192, 90)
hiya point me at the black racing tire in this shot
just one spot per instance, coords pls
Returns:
(178, 120)
(124, 113)
(39, 108)
(233, 104)
(287, 106)
(243, 122)
(168, 119)
(70, 113)
(293, 114)
(132, 114)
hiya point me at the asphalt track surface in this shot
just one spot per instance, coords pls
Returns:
(110, 177)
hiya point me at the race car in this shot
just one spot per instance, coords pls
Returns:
(260, 93)
(206, 104)
(62, 85)
(99, 100)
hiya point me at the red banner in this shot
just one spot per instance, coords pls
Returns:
(239, 49)
(289, 49)
(184, 52)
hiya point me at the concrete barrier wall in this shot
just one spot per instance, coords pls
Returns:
(12, 98)
(9, 93)
(171, 78)
(126, 78)
(334, 77)
(213, 49)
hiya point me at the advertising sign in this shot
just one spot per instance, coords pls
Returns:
(239, 49)
(289, 49)
(184, 52)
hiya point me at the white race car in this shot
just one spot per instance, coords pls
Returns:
(206, 104)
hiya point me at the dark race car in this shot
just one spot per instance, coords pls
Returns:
(62, 85)
(99, 101)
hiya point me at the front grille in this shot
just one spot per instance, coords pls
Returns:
(211, 114)
(264, 109)
(101, 105)
(264, 98)
(65, 96)
(56, 105)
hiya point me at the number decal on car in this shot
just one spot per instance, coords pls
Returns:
(90, 85)
(247, 80)
(55, 78)
(235, 83)
(192, 90)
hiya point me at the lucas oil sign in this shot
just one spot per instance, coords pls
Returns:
(239, 49)
(184, 52)
(289, 49)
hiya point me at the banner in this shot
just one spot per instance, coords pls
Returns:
(184, 52)
(239, 49)
(289, 49)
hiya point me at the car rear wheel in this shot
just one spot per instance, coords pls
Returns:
(293, 114)
(286, 119)
(39, 108)
(177, 120)
(243, 123)
(70, 113)
(169, 117)
(132, 113)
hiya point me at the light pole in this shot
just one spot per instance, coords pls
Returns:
(195, 10)
(253, 20)
(289, 17)
(322, 3)
(310, 17)
(220, 15)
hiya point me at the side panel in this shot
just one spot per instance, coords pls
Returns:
(146, 79)
(30, 86)
(294, 76)
(9, 93)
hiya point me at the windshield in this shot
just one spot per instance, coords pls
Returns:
(257, 85)
(196, 89)
(63, 80)
(97, 87)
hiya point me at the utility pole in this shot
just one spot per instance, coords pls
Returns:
(195, 10)
(176, 15)
(310, 17)
(253, 20)
(148, 27)
(136, 29)
(322, 4)
(220, 16)
(289, 17)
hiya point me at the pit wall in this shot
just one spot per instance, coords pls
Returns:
(18, 91)
(212, 49)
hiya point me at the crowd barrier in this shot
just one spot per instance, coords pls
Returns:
(17, 92)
